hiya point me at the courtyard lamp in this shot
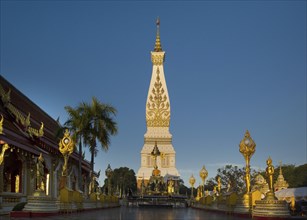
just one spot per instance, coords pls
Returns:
(203, 175)
(247, 149)
(192, 181)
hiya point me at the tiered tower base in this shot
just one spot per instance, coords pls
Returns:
(271, 209)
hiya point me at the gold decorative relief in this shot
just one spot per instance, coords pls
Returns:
(157, 59)
(19, 116)
(158, 107)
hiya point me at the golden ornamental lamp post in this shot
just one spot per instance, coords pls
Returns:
(192, 181)
(247, 149)
(66, 147)
(109, 173)
(203, 175)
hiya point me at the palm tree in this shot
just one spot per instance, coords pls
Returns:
(90, 124)
(100, 126)
(76, 124)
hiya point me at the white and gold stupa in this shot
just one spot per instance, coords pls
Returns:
(158, 112)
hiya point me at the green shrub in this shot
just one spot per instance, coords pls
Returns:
(19, 206)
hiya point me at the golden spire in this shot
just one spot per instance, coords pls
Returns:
(158, 47)
(280, 183)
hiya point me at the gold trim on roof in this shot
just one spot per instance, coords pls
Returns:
(19, 117)
(158, 107)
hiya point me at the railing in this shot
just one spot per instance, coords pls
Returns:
(165, 201)
(12, 198)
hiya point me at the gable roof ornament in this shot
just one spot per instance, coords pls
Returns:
(19, 116)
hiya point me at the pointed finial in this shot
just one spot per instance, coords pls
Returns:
(158, 47)
(40, 158)
(158, 21)
(247, 134)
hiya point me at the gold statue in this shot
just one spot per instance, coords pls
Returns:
(4, 148)
(40, 173)
(270, 172)
(17, 184)
(66, 147)
(170, 187)
(92, 185)
(192, 181)
(219, 184)
(247, 149)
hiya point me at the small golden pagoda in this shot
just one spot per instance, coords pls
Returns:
(280, 183)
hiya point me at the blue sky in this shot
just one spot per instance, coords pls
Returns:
(230, 66)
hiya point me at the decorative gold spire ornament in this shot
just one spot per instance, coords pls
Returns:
(158, 47)
(192, 181)
(247, 149)
(4, 148)
(203, 175)
(1, 125)
(66, 147)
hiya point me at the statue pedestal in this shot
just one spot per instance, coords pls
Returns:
(78, 199)
(66, 200)
(41, 205)
(271, 208)
(243, 206)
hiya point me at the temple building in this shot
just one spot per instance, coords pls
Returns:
(158, 112)
(28, 137)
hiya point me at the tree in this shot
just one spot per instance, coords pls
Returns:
(231, 176)
(184, 190)
(123, 179)
(99, 126)
(92, 124)
(76, 124)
